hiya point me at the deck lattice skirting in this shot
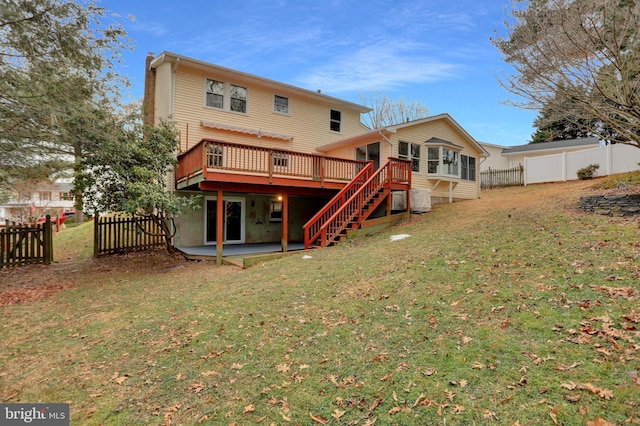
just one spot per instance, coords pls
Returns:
(611, 205)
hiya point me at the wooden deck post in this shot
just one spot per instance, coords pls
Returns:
(219, 227)
(285, 222)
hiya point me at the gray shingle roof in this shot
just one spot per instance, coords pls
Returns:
(567, 143)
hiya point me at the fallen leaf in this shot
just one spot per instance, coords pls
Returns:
(319, 419)
(450, 395)
(337, 414)
(572, 398)
(600, 422)
(370, 421)
(490, 415)
(395, 410)
(248, 409)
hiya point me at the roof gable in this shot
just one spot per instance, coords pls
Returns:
(451, 122)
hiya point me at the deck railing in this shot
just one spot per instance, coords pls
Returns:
(350, 204)
(213, 156)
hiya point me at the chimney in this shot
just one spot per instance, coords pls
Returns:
(149, 101)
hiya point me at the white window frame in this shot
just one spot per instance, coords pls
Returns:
(409, 155)
(276, 106)
(332, 121)
(243, 213)
(275, 207)
(468, 168)
(217, 155)
(440, 165)
(281, 160)
(226, 96)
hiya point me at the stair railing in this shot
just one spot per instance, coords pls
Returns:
(312, 227)
(352, 210)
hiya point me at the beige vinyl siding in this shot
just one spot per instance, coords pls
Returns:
(307, 121)
(440, 129)
(163, 98)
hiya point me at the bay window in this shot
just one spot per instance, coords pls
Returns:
(443, 158)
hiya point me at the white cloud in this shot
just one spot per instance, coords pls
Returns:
(377, 67)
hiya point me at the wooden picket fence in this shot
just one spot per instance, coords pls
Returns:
(23, 244)
(119, 234)
(502, 177)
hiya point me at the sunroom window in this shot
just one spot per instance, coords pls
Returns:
(443, 160)
(411, 152)
(449, 162)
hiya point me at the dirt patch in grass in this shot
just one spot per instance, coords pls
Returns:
(35, 282)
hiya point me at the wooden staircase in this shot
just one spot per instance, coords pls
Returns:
(355, 203)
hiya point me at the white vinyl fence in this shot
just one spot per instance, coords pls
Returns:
(612, 159)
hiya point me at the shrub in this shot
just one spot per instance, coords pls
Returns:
(588, 172)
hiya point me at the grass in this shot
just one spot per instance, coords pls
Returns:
(513, 309)
(622, 181)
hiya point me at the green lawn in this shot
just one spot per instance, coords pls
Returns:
(516, 309)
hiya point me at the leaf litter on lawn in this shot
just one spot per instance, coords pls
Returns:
(481, 316)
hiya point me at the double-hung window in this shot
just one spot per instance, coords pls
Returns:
(238, 99)
(229, 97)
(335, 120)
(410, 151)
(468, 168)
(281, 104)
(280, 159)
(433, 160)
(215, 156)
(215, 94)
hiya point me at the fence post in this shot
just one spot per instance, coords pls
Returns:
(96, 234)
(47, 241)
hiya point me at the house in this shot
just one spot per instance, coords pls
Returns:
(31, 201)
(275, 163)
(506, 157)
(559, 161)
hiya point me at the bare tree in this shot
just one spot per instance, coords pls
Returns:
(585, 53)
(387, 112)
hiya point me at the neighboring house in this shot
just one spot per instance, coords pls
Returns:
(559, 161)
(269, 158)
(33, 201)
(506, 157)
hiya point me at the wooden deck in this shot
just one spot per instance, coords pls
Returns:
(213, 161)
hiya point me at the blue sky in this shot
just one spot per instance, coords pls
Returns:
(436, 52)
